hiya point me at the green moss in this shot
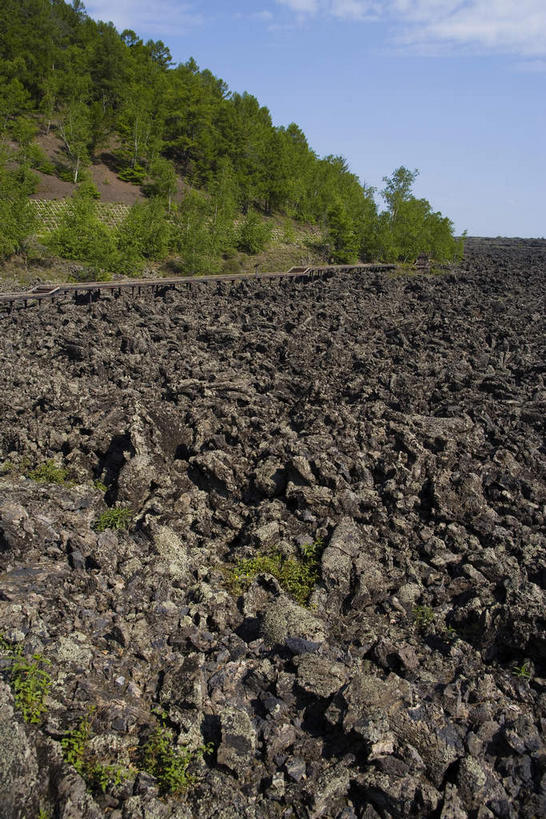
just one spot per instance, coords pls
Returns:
(296, 575)
(49, 472)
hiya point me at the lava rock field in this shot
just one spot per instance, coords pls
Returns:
(397, 421)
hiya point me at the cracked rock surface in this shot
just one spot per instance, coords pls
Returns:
(397, 418)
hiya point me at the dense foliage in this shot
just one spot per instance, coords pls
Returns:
(98, 88)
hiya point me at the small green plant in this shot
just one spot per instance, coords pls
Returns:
(49, 472)
(169, 765)
(523, 671)
(98, 484)
(75, 743)
(77, 752)
(6, 467)
(29, 680)
(116, 518)
(297, 575)
(423, 617)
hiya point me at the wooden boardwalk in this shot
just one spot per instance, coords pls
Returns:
(93, 290)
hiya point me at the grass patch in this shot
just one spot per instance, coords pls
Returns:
(30, 682)
(115, 518)
(169, 765)
(296, 575)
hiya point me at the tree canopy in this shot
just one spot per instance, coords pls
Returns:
(100, 88)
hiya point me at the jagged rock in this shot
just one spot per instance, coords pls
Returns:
(270, 478)
(238, 741)
(284, 619)
(319, 676)
(338, 557)
(19, 771)
(402, 427)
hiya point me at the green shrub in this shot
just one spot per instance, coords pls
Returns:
(39, 161)
(64, 172)
(144, 234)
(169, 765)
(90, 273)
(254, 234)
(114, 518)
(134, 175)
(88, 188)
(81, 235)
(193, 236)
(29, 680)
(423, 617)
(231, 267)
(288, 234)
(97, 774)
(296, 575)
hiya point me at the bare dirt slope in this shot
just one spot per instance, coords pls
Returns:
(399, 420)
(101, 170)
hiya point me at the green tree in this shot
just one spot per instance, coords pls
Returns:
(223, 192)
(409, 227)
(24, 130)
(17, 220)
(75, 130)
(398, 188)
(342, 238)
(164, 182)
(14, 99)
(192, 237)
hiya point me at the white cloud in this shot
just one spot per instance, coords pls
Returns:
(160, 18)
(353, 9)
(501, 26)
(343, 9)
(301, 6)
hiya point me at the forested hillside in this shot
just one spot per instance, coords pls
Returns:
(210, 162)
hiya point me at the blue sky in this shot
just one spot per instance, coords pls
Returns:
(455, 88)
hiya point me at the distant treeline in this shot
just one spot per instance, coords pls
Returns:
(101, 89)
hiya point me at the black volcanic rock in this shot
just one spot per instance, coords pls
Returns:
(398, 419)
